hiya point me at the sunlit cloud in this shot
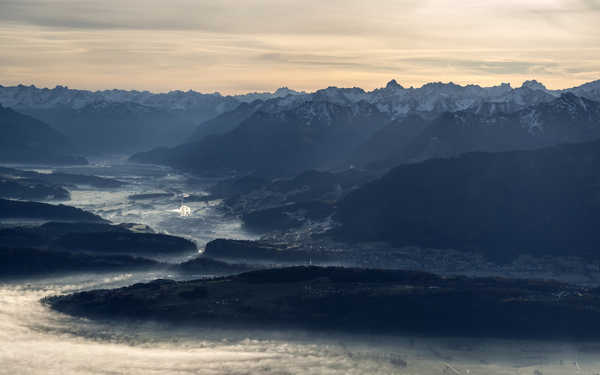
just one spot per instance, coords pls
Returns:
(231, 46)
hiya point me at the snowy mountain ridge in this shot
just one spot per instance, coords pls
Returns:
(393, 98)
(32, 97)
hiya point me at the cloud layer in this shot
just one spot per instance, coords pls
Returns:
(36, 340)
(232, 46)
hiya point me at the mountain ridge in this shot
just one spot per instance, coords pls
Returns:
(22, 96)
(24, 139)
(539, 202)
(553, 120)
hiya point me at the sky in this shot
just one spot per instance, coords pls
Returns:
(237, 46)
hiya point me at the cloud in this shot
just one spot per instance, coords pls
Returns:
(591, 4)
(232, 46)
(229, 16)
(37, 340)
(323, 60)
(482, 66)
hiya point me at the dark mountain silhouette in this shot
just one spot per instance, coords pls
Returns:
(540, 202)
(353, 300)
(20, 262)
(313, 135)
(566, 119)
(10, 209)
(24, 139)
(15, 189)
(225, 122)
(390, 140)
(115, 127)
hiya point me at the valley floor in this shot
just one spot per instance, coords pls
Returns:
(34, 339)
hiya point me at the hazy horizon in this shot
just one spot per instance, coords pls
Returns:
(324, 86)
(260, 45)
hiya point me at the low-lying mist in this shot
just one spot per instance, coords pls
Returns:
(37, 340)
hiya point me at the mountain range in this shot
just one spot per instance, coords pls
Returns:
(430, 100)
(118, 128)
(288, 131)
(384, 127)
(315, 134)
(120, 121)
(30, 97)
(434, 97)
(566, 119)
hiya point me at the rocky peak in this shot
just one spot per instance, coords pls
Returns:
(393, 85)
(534, 85)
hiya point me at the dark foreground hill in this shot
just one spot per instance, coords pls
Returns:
(16, 262)
(95, 238)
(73, 247)
(10, 209)
(354, 300)
(261, 251)
(24, 139)
(540, 202)
(34, 186)
(58, 179)
(16, 189)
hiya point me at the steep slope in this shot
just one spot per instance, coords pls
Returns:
(566, 119)
(106, 127)
(541, 201)
(389, 141)
(225, 122)
(312, 135)
(228, 121)
(590, 90)
(24, 139)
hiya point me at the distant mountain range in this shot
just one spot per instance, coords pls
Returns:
(566, 119)
(120, 121)
(397, 102)
(30, 97)
(389, 126)
(256, 131)
(427, 101)
(118, 128)
(393, 98)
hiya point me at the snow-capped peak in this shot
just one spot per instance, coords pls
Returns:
(284, 91)
(534, 85)
(429, 100)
